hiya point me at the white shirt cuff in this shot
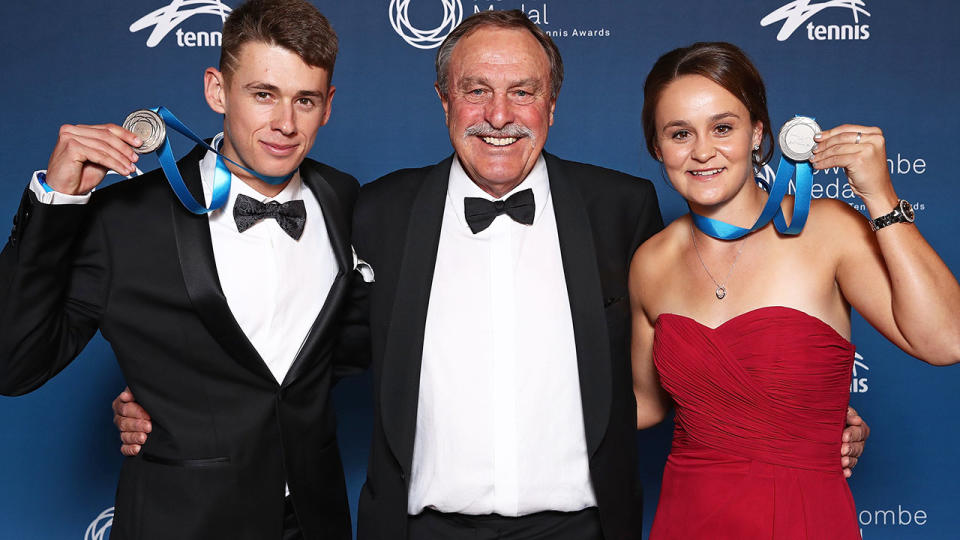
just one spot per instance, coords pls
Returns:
(54, 197)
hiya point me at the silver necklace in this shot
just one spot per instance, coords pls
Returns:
(721, 291)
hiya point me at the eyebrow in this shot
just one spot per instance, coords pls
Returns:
(715, 118)
(258, 85)
(468, 82)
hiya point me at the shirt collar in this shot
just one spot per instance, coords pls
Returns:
(460, 186)
(208, 166)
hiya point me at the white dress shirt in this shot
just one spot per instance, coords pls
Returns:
(275, 286)
(499, 418)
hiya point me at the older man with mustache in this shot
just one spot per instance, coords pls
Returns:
(499, 319)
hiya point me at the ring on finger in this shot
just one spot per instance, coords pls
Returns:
(859, 134)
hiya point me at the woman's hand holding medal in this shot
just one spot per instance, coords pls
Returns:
(861, 152)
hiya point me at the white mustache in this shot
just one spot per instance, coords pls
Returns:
(484, 129)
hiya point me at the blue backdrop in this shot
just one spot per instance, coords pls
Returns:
(875, 62)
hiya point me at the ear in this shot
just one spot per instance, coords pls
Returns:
(757, 133)
(444, 102)
(215, 90)
(328, 104)
(553, 107)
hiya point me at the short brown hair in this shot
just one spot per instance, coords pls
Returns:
(722, 63)
(511, 19)
(295, 25)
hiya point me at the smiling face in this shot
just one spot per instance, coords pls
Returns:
(499, 106)
(705, 138)
(273, 104)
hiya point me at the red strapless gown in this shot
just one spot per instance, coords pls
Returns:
(760, 408)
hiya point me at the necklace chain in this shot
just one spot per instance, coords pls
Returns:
(721, 291)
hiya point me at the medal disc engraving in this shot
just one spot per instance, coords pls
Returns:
(147, 125)
(796, 138)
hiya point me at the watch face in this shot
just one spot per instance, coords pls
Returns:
(907, 210)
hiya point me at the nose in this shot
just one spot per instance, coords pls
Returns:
(703, 149)
(499, 111)
(283, 118)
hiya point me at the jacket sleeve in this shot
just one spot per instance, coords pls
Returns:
(53, 282)
(649, 219)
(352, 354)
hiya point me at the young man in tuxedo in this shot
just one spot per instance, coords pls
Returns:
(223, 324)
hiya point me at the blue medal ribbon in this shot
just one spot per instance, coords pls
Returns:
(771, 210)
(221, 177)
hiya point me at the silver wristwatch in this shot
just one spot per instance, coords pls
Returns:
(902, 213)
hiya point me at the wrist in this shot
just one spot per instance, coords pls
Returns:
(55, 187)
(42, 179)
(881, 204)
(901, 213)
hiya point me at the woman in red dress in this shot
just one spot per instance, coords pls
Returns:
(750, 336)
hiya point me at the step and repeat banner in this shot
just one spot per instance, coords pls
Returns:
(876, 62)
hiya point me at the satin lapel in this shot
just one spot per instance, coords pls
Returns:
(582, 275)
(336, 223)
(195, 250)
(400, 374)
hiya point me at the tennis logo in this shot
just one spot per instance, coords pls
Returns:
(425, 39)
(100, 527)
(169, 17)
(858, 383)
(795, 13)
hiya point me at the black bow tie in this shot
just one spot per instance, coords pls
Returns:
(291, 215)
(480, 213)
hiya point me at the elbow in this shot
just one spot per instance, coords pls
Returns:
(946, 358)
(651, 412)
(949, 353)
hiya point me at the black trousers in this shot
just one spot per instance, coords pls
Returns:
(432, 525)
(291, 527)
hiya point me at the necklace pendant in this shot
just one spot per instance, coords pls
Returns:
(721, 293)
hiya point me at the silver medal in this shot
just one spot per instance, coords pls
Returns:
(147, 125)
(796, 138)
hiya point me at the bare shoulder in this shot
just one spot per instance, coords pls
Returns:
(654, 257)
(836, 221)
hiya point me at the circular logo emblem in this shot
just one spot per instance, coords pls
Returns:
(425, 39)
(100, 527)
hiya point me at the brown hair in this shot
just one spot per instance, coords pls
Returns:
(722, 63)
(295, 25)
(511, 19)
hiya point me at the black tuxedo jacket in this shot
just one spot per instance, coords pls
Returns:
(602, 216)
(136, 265)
